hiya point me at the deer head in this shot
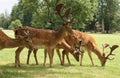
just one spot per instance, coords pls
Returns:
(23, 34)
(105, 58)
(77, 51)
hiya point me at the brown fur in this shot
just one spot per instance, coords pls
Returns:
(71, 40)
(89, 44)
(45, 38)
(7, 42)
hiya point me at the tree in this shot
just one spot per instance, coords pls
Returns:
(15, 24)
(4, 20)
(82, 12)
(24, 11)
(17, 12)
(107, 13)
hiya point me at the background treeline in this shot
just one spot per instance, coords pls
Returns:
(89, 15)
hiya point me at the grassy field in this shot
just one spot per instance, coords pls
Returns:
(111, 70)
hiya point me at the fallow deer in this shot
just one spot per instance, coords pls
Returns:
(71, 40)
(89, 44)
(46, 39)
(60, 45)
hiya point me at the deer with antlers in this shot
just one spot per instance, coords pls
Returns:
(46, 39)
(61, 45)
(71, 40)
(89, 44)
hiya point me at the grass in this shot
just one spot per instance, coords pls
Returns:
(111, 70)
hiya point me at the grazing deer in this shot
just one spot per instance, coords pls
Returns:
(46, 39)
(7, 42)
(89, 44)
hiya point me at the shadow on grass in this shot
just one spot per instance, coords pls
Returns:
(32, 70)
(28, 71)
(9, 71)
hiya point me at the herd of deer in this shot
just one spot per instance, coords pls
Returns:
(65, 38)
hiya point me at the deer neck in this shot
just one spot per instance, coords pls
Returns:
(61, 34)
(11, 43)
(99, 53)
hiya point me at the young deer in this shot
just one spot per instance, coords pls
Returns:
(46, 39)
(89, 44)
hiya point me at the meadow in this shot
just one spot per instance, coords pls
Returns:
(111, 70)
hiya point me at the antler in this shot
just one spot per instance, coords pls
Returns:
(67, 12)
(58, 9)
(111, 50)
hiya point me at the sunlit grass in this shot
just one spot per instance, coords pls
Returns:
(111, 70)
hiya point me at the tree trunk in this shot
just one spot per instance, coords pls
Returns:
(103, 26)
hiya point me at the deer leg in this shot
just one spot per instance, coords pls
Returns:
(28, 57)
(67, 55)
(89, 53)
(63, 57)
(45, 56)
(35, 52)
(17, 54)
(52, 56)
(82, 54)
(50, 53)
(58, 52)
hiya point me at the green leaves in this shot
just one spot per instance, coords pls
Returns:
(15, 24)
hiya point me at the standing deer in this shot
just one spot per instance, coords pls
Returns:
(89, 44)
(71, 40)
(46, 39)
(60, 45)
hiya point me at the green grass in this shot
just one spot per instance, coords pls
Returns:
(111, 70)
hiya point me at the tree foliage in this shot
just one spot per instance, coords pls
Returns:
(82, 12)
(15, 24)
(41, 14)
(107, 13)
(4, 20)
